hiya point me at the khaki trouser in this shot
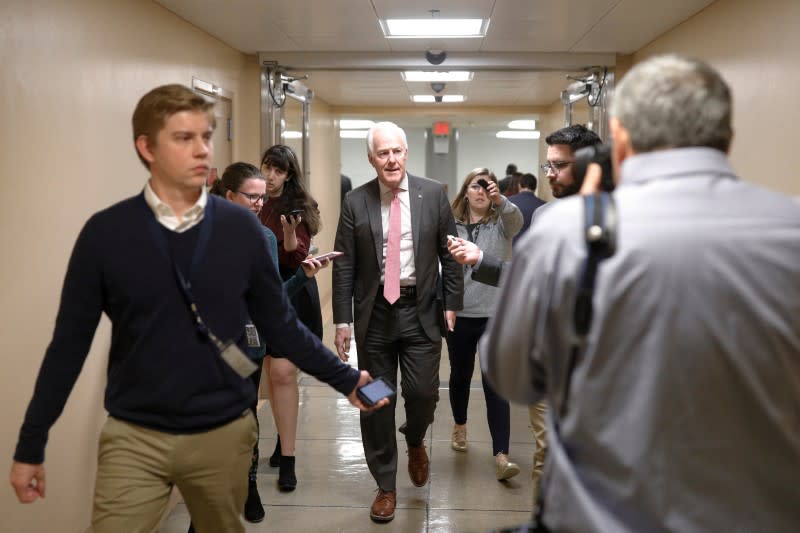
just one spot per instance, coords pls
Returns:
(137, 468)
(537, 414)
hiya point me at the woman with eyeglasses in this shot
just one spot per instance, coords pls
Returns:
(243, 184)
(486, 218)
(290, 212)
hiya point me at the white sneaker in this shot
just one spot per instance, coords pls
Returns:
(504, 468)
(459, 439)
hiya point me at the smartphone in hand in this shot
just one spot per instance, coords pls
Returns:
(326, 257)
(483, 183)
(375, 391)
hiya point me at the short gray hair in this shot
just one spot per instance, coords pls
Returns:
(385, 126)
(672, 101)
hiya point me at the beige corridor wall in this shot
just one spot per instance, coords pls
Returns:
(755, 46)
(325, 188)
(71, 75)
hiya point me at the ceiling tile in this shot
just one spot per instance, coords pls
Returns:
(632, 24)
(351, 26)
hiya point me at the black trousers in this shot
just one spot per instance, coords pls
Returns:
(395, 339)
(462, 345)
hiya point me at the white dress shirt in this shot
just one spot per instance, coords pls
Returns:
(166, 216)
(407, 269)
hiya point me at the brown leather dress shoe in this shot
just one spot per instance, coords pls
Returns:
(418, 465)
(382, 509)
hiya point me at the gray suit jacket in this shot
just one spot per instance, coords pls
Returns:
(357, 274)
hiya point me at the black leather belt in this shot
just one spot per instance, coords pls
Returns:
(409, 291)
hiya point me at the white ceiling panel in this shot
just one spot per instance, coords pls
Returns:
(517, 28)
(542, 25)
(642, 22)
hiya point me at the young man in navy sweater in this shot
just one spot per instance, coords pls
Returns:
(178, 272)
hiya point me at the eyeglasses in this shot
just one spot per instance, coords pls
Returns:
(555, 166)
(254, 198)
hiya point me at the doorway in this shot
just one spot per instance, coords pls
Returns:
(223, 133)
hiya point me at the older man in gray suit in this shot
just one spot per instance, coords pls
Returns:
(393, 232)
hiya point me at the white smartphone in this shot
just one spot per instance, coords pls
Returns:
(327, 256)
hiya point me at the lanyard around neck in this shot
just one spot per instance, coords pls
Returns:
(184, 282)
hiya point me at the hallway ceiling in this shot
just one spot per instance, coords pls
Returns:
(522, 61)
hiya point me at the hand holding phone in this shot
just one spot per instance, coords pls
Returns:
(326, 257)
(483, 183)
(375, 391)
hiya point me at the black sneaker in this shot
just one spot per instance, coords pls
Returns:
(253, 509)
(287, 481)
(275, 458)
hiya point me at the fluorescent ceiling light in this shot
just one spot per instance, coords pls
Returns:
(291, 134)
(433, 27)
(355, 124)
(517, 134)
(446, 98)
(421, 75)
(522, 125)
(353, 134)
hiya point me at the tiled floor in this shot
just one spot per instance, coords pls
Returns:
(335, 488)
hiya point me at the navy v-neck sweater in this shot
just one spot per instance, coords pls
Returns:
(162, 373)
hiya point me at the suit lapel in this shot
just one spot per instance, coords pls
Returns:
(415, 201)
(373, 206)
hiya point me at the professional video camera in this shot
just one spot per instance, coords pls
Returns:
(600, 154)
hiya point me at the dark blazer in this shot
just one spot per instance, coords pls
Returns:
(357, 274)
(527, 203)
(490, 270)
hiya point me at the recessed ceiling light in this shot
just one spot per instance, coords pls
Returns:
(422, 75)
(522, 125)
(291, 134)
(433, 27)
(446, 98)
(353, 134)
(517, 134)
(355, 124)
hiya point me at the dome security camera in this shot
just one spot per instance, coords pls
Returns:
(435, 57)
(438, 86)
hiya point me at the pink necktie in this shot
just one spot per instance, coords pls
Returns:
(391, 271)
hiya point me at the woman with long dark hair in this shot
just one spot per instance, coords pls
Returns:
(243, 184)
(486, 218)
(292, 215)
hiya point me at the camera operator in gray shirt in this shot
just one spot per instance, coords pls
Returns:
(682, 411)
